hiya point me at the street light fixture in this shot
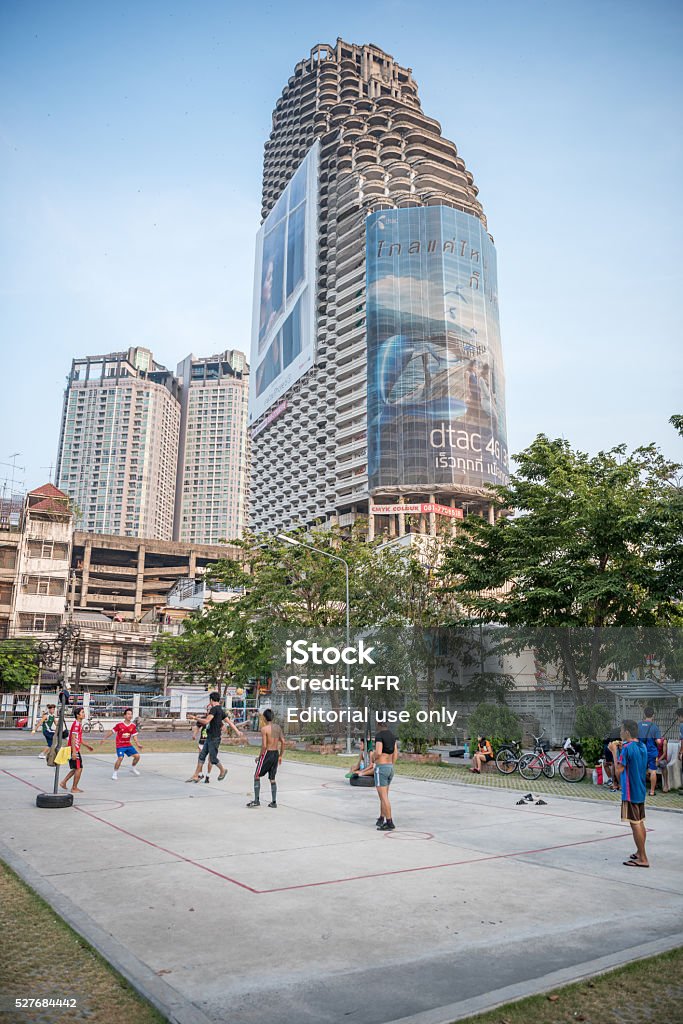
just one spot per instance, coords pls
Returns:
(336, 558)
(66, 641)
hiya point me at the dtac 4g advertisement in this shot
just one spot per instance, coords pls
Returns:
(436, 390)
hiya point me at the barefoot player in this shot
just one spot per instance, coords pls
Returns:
(75, 742)
(272, 752)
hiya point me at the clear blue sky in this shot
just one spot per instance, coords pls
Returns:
(132, 137)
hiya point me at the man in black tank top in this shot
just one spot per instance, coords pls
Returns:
(385, 757)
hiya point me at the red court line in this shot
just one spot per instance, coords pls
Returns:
(447, 864)
(332, 881)
(147, 842)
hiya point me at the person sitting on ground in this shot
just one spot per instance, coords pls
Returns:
(364, 763)
(482, 755)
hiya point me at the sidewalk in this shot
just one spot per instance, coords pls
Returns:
(322, 916)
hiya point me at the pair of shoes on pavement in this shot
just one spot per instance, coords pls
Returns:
(386, 826)
(134, 771)
(257, 803)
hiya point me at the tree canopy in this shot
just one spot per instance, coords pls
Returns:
(18, 664)
(582, 543)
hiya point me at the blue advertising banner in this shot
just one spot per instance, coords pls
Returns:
(436, 389)
(283, 321)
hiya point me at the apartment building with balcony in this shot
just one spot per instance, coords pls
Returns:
(118, 446)
(213, 469)
(144, 452)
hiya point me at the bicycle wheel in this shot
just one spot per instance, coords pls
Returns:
(506, 762)
(572, 769)
(530, 767)
(549, 769)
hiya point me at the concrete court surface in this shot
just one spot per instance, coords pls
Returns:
(308, 914)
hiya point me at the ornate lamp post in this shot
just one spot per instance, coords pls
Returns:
(50, 653)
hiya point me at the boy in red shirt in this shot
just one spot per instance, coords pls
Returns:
(76, 742)
(126, 733)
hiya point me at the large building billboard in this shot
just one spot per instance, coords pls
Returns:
(436, 390)
(283, 323)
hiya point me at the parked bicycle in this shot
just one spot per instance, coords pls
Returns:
(507, 757)
(93, 725)
(510, 754)
(567, 761)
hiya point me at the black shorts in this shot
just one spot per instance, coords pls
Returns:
(267, 764)
(210, 749)
(76, 762)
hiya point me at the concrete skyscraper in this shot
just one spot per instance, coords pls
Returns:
(146, 453)
(377, 379)
(118, 445)
(212, 486)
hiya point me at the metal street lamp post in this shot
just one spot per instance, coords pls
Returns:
(67, 640)
(336, 558)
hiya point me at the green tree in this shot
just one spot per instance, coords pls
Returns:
(495, 720)
(18, 664)
(593, 720)
(216, 646)
(580, 544)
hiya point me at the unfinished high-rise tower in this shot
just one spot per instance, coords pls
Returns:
(377, 383)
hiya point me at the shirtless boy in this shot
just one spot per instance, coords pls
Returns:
(272, 752)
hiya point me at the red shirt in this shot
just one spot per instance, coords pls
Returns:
(123, 733)
(75, 737)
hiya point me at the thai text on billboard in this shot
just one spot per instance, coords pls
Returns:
(283, 321)
(436, 390)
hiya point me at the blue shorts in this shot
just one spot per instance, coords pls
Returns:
(651, 761)
(384, 773)
(49, 736)
(126, 752)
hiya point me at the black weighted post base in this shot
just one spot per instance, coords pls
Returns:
(55, 800)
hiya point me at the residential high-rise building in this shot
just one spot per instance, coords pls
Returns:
(211, 491)
(118, 446)
(377, 379)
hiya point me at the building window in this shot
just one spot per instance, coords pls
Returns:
(47, 549)
(39, 623)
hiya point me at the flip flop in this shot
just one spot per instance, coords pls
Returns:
(634, 864)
